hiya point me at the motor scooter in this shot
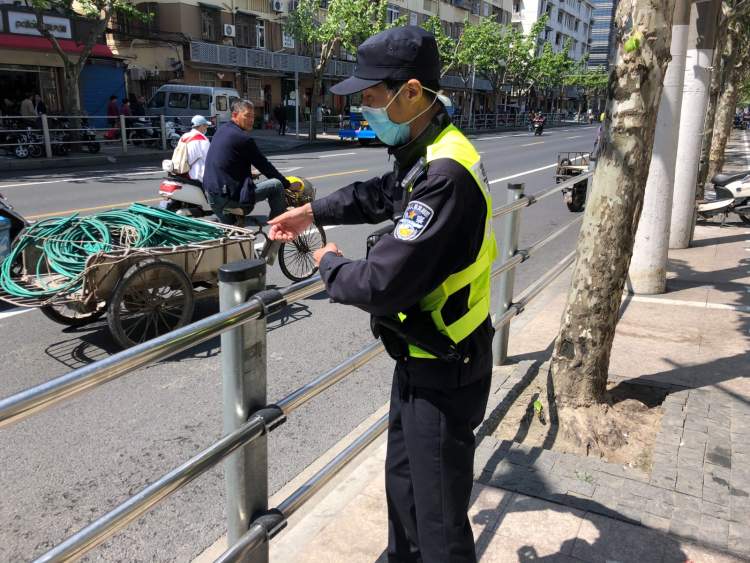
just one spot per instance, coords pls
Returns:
(732, 196)
(538, 127)
(174, 130)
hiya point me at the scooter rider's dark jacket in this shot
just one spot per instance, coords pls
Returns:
(398, 273)
(227, 173)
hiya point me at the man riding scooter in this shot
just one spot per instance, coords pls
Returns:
(227, 179)
(538, 121)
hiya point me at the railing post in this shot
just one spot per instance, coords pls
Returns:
(123, 134)
(47, 139)
(505, 282)
(163, 129)
(243, 367)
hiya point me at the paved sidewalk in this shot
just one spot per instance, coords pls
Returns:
(533, 504)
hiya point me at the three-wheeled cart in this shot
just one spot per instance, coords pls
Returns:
(569, 165)
(144, 292)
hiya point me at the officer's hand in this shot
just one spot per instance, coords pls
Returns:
(289, 225)
(330, 247)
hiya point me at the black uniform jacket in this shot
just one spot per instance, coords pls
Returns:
(398, 273)
(227, 173)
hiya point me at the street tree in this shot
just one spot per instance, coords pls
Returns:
(99, 13)
(447, 46)
(592, 83)
(475, 52)
(580, 361)
(735, 71)
(345, 24)
(724, 59)
(551, 68)
(520, 62)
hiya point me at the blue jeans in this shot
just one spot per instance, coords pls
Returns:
(271, 190)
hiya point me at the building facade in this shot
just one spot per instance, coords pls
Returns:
(29, 64)
(243, 45)
(603, 35)
(567, 20)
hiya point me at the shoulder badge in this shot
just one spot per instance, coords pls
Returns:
(415, 219)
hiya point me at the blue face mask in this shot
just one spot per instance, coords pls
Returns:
(387, 131)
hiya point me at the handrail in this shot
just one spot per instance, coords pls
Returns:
(262, 421)
(40, 397)
(262, 530)
(528, 200)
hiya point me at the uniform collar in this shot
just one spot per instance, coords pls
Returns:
(406, 155)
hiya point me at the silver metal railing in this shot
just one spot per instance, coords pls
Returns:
(248, 416)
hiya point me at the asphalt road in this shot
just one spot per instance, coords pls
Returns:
(64, 467)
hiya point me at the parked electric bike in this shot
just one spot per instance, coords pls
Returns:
(732, 196)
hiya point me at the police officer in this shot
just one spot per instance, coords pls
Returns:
(426, 283)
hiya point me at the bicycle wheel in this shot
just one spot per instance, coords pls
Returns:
(296, 257)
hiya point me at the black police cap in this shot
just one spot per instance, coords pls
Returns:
(398, 53)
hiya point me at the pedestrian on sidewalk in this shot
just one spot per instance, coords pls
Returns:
(426, 283)
(113, 111)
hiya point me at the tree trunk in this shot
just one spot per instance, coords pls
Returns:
(72, 98)
(580, 361)
(723, 124)
(317, 85)
(717, 79)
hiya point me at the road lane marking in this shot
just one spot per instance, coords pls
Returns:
(574, 137)
(336, 174)
(14, 312)
(97, 208)
(525, 172)
(337, 154)
(532, 144)
(492, 138)
(63, 180)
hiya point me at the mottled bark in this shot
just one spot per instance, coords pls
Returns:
(581, 356)
(717, 79)
(723, 124)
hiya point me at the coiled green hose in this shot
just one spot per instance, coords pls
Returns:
(65, 243)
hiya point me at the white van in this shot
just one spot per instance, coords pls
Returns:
(185, 101)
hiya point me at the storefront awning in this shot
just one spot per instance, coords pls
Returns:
(13, 41)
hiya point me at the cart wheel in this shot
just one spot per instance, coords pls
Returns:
(150, 300)
(71, 314)
(578, 202)
(295, 258)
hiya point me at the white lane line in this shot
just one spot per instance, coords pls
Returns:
(521, 134)
(14, 312)
(698, 304)
(525, 172)
(492, 138)
(574, 137)
(747, 147)
(532, 144)
(334, 155)
(62, 180)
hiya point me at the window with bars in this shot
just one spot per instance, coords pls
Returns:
(135, 27)
(244, 27)
(209, 24)
(260, 34)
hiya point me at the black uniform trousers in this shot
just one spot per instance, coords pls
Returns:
(429, 470)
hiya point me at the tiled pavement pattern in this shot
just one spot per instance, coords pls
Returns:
(698, 487)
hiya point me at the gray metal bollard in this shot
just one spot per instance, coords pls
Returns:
(243, 367)
(46, 135)
(123, 134)
(508, 248)
(163, 129)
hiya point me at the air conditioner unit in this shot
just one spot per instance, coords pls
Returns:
(277, 5)
(229, 30)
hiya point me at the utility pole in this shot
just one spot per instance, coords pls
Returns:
(701, 43)
(648, 267)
